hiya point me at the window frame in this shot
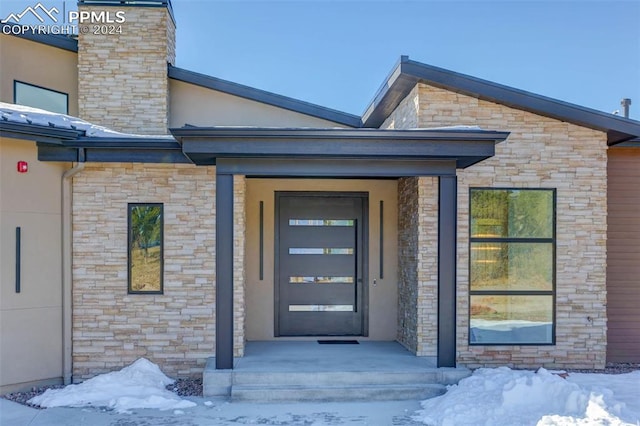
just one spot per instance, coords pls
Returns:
(130, 207)
(552, 240)
(15, 94)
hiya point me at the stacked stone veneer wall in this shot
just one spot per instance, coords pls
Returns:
(122, 78)
(176, 329)
(540, 153)
(408, 263)
(239, 234)
(418, 264)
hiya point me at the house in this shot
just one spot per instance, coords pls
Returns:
(472, 222)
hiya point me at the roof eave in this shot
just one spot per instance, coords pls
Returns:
(36, 132)
(407, 73)
(273, 133)
(109, 149)
(207, 145)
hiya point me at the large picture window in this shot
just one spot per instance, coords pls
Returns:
(146, 223)
(39, 97)
(512, 266)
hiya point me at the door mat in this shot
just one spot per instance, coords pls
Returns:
(338, 342)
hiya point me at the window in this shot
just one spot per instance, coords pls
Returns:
(145, 254)
(512, 266)
(39, 97)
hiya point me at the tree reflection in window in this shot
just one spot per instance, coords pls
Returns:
(512, 266)
(145, 248)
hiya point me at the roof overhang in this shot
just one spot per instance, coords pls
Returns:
(101, 149)
(407, 73)
(344, 152)
(27, 131)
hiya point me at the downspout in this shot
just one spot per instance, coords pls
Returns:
(67, 266)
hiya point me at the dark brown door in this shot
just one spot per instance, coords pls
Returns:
(320, 246)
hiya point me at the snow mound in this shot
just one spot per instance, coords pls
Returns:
(140, 385)
(503, 396)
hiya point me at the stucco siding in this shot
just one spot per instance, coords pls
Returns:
(200, 106)
(38, 64)
(381, 291)
(30, 320)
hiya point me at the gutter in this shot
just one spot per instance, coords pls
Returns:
(67, 267)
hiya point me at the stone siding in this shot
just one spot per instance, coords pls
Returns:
(176, 329)
(417, 256)
(122, 78)
(405, 116)
(239, 234)
(427, 266)
(408, 263)
(539, 153)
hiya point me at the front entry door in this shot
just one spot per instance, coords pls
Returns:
(319, 271)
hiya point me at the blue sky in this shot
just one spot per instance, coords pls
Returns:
(337, 53)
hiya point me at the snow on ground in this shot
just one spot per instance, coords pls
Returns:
(501, 396)
(498, 396)
(140, 385)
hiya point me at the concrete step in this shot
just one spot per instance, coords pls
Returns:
(317, 393)
(273, 386)
(335, 378)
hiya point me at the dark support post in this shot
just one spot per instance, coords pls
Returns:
(447, 215)
(224, 271)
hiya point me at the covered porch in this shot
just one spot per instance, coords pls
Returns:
(271, 153)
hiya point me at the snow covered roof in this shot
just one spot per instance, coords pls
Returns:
(20, 114)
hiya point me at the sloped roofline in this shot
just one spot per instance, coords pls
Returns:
(264, 97)
(407, 73)
(398, 84)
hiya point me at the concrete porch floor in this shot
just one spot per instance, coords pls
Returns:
(309, 371)
(301, 356)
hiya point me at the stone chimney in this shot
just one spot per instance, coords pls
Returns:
(123, 51)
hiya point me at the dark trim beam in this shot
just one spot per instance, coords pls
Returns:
(447, 214)
(224, 271)
(47, 152)
(262, 134)
(110, 150)
(36, 132)
(334, 167)
(451, 148)
(206, 146)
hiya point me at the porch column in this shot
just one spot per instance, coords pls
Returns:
(224, 271)
(447, 219)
